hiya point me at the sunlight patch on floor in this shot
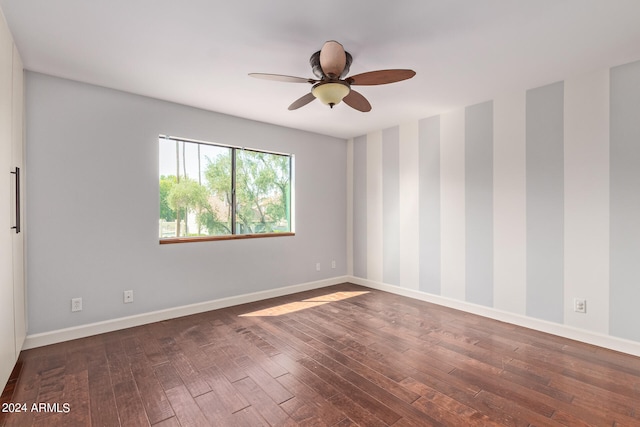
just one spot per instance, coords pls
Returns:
(304, 304)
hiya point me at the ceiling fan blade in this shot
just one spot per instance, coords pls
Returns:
(333, 59)
(282, 78)
(380, 77)
(302, 101)
(356, 100)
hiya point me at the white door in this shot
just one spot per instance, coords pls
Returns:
(17, 137)
(7, 330)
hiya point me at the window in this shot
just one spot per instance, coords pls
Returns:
(210, 191)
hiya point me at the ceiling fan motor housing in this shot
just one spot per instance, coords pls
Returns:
(317, 68)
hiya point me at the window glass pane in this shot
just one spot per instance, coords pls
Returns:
(195, 189)
(216, 176)
(263, 188)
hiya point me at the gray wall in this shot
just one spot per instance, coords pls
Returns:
(429, 204)
(625, 199)
(93, 207)
(545, 202)
(479, 203)
(390, 203)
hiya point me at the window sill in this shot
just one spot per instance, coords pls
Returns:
(226, 237)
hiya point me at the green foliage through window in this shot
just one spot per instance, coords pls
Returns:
(198, 197)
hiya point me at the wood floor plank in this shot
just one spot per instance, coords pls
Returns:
(249, 347)
(217, 415)
(130, 407)
(152, 349)
(453, 415)
(228, 396)
(518, 415)
(103, 409)
(248, 417)
(376, 407)
(491, 411)
(446, 407)
(169, 422)
(589, 399)
(167, 376)
(25, 391)
(352, 356)
(265, 381)
(530, 400)
(307, 406)
(189, 375)
(186, 409)
(193, 351)
(262, 402)
(324, 389)
(356, 412)
(153, 397)
(74, 394)
(229, 368)
(433, 370)
(356, 366)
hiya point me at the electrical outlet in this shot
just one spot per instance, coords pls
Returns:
(317, 266)
(128, 296)
(76, 304)
(333, 264)
(579, 305)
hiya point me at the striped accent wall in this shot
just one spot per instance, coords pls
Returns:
(520, 204)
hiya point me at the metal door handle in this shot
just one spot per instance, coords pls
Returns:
(17, 226)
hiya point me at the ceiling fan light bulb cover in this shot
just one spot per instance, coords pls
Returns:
(330, 93)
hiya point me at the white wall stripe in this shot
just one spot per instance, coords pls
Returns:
(409, 206)
(452, 198)
(586, 200)
(509, 204)
(374, 206)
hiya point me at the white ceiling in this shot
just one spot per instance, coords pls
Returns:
(199, 52)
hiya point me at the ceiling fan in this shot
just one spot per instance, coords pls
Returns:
(330, 65)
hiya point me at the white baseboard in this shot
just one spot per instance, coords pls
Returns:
(595, 338)
(53, 337)
(601, 340)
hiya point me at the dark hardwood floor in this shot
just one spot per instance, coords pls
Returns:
(338, 356)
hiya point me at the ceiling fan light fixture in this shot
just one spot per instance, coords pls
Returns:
(330, 93)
